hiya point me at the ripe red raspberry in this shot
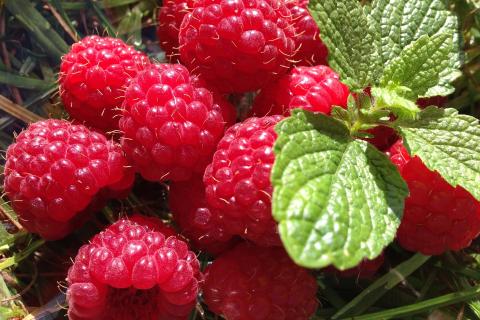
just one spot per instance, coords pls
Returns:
(130, 272)
(170, 17)
(170, 127)
(437, 216)
(251, 282)
(365, 270)
(55, 169)
(238, 45)
(93, 76)
(315, 89)
(383, 137)
(310, 49)
(153, 223)
(203, 225)
(237, 181)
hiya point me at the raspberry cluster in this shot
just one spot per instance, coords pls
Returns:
(55, 170)
(169, 126)
(131, 272)
(249, 282)
(437, 216)
(92, 79)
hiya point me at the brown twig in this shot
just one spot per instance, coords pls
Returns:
(27, 288)
(18, 111)
(12, 220)
(62, 22)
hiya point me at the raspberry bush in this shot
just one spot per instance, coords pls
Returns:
(240, 159)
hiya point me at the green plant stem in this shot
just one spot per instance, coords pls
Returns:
(416, 308)
(18, 257)
(377, 289)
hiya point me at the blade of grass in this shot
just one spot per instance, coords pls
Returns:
(59, 13)
(106, 24)
(23, 82)
(25, 12)
(377, 289)
(22, 255)
(18, 111)
(420, 307)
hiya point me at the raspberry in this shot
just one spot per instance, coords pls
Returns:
(315, 89)
(250, 282)
(237, 181)
(130, 272)
(170, 127)
(54, 171)
(92, 79)
(238, 45)
(170, 17)
(203, 225)
(365, 270)
(310, 49)
(154, 224)
(383, 137)
(437, 216)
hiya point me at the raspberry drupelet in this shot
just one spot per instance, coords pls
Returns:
(93, 77)
(202, 224)
(238, 45)
(170, 127)
(437, 216)
(310, 50)
(251, 282)
(315, 89)
(170, 17)
(131, 272)
(238, 183)
(55, 170)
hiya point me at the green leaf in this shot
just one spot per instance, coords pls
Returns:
(131, 27)
(346, 33)
(396, 103)
(337, 200)
(399, 23)
(420, 66)
(446, 142)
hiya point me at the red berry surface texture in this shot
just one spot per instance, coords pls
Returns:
(437, 216)
(237, 182)
(92, 79)
(170, 127)
(170, 17)
(205, 226)
(54, 170)
(129, 271)
(315, 89)
(249, 282)
(238, 45)
(310, 50)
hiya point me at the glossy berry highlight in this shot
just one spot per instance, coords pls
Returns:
(55, 170)
(250, 282)
(239, 45)
(170, 127)
(315, 89)
(129, 271)
(237, 182)
(93, 77)
(437, 217)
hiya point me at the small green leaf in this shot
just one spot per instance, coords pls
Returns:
(392, 101)
(337, 200)
(420, 66)
(346, 33)
(446, 142)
